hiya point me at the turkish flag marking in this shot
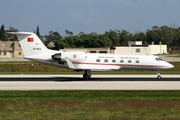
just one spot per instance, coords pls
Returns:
(30, 39)
(74, 56)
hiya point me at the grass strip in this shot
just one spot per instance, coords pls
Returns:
(90, 104)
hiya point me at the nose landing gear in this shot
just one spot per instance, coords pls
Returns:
(159, 75)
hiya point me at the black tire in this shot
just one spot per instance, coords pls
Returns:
(159, 77)
(86, 77)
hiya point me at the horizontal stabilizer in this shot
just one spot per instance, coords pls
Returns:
(20, 33)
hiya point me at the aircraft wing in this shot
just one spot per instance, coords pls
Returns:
(70, 64)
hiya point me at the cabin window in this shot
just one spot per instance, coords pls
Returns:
(113, 60)
(129, 61)
(4, 53)
(137, 61)
(121, 61)
(4, 45)
(138, 50)
(98, 60)
(105, 60)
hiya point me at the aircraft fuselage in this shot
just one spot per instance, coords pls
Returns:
(106, 62)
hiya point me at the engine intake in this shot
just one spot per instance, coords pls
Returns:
(56, 56)
(73, 56)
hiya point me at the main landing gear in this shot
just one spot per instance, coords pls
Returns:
(159, 75)
(87, 74)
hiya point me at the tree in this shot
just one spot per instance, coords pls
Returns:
(37, 32)
(112, 35)
(53, 37)
(164, 34)
(12, 37)
(154, 35)
(81, 34)
(70, 41)
(104, 41)
(125, 36)
(140, 36)
(39, 35)
(68, 33)
(3, 33)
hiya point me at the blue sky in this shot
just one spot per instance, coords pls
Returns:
(88, 15)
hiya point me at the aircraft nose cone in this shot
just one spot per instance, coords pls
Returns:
(171, 66)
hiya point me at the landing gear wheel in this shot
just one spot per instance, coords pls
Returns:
(87, 74)
(86, 77)
(159, 77)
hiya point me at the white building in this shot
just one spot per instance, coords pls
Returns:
(136, 47)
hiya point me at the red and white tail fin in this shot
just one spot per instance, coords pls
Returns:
(30, 43)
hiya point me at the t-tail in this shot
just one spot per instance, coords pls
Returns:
(30, 43)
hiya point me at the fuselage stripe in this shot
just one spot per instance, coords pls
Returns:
(127, 65)
(119, 64)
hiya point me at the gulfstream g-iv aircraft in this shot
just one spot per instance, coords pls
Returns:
(35, 50)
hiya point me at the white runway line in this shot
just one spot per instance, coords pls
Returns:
(93, 76)
(89, 85)
(129, 85)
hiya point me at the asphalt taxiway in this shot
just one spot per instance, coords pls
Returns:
(97, 82)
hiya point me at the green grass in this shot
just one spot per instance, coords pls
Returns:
(170, 55)
(20, 96)
(175, 56)
(90, 104)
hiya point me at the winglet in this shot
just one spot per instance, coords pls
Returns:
(70, 64)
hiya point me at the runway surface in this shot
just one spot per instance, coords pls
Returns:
(97, 82)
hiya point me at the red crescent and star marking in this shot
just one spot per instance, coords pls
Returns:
(74, 56)
(29, 39)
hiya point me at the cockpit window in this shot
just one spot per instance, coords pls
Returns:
(158, 59)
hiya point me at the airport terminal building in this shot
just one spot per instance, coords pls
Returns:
(12, 49)
(134, 47)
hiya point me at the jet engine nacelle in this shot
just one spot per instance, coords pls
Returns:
(73, 56)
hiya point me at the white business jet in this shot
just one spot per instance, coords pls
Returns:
(35, 50)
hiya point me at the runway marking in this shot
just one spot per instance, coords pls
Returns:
(98, 82)
(93, 76)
